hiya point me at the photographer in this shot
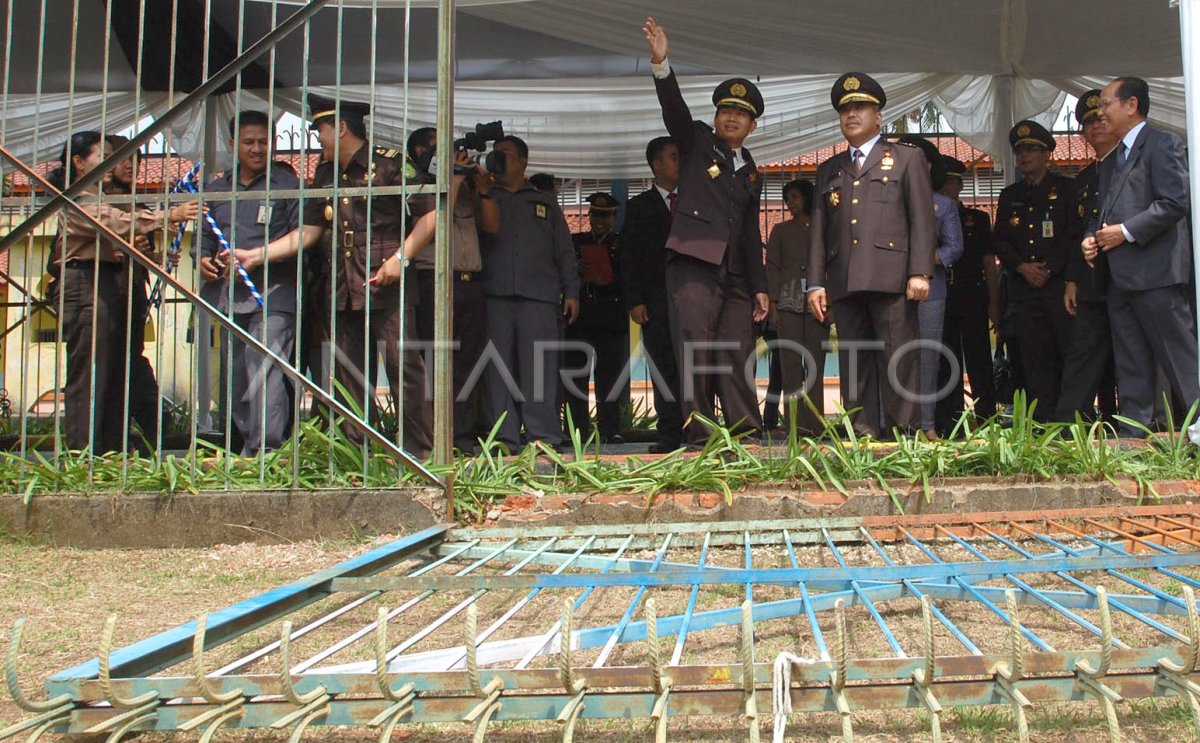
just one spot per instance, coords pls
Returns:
(472, 213)
(531, 276)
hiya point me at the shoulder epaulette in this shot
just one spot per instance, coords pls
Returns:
(389, 152)
(906, 144)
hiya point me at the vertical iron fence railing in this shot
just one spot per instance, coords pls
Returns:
(126, 360)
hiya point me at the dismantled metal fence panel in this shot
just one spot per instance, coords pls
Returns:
(755, 621)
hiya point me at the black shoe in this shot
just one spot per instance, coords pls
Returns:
(664, 447)
(616, 438)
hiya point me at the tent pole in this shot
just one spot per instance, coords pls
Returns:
(1005, 118)
(1189, 30)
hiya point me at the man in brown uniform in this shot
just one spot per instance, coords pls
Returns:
(366, 317)
(873, 239)
(715, 276)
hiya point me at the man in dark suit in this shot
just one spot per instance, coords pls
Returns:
(1088, 366)
(1142, 229)
(644, 259)
(715, 277)
(873, 239)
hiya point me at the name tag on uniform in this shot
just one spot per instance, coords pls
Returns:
(264, 214)
(540, 211)
(1048, 229)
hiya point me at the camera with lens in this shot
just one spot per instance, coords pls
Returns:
(477, 142)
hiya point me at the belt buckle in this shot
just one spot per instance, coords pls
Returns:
(348, 239)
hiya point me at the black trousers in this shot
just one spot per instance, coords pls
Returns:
(1042, 329)
(713, 329)
(94, 301)
(470, 337)
(800, 375)
(1089, 370)
(609, 362)
(659, 349)
(143, 386)
(361, 335)
(867, 384)
(966, 334)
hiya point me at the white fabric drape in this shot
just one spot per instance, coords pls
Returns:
(595, 127)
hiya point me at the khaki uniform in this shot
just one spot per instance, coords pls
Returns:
(369, 318)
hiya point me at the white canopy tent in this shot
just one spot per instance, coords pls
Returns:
(573, 77)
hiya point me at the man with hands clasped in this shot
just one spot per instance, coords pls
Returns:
(1142, 228)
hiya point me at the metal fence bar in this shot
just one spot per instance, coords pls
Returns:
(1025, 586)
(857, 588)
(1160, 595)
(1029, 634)
(433, 626)
(677, 653)
(273, 646)
(203, 91)
(918, 594)
(545, 639)
(818, 636)
(512, 611)
(1112, 600)
(615, 636)
(174, 645)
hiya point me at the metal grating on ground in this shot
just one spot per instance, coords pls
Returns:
(751, 620)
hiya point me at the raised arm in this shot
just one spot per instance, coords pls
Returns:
(676, 115)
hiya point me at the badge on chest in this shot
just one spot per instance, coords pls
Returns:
(541, 211)
(264, 214)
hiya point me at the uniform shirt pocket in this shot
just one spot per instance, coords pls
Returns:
(885, 189)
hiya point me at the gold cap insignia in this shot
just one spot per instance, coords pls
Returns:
(1023, 131)
(851, 84)
(329, 212)
(1093, 101)
(738, 90)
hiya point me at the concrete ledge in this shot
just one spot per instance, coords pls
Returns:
(963, 495)
(208, 518)
(141, 520)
